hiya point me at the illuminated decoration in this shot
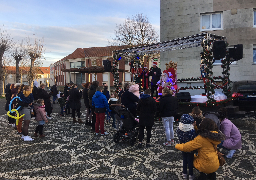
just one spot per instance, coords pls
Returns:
(205, 40)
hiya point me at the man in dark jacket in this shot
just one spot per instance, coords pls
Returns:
(155, 72)
(35, 90)
(91, 92)
(146, 108)
(167, 109)
(75, 102)
(42, 94)
(129, 100)
(99, 101)
(54, 92)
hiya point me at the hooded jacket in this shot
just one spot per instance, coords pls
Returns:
(168, 106)
(233, 136)
(99, 100)
(207, 159)
(40, 112)
(91, 92)
(147, 109)
(75, 98)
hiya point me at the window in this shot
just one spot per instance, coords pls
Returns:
(211, 21)
(94, 77)
(105, 77)
(254, 19)
(78, 64)
(254, 54)
(127, 76)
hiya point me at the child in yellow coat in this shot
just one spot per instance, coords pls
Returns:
(206, 161)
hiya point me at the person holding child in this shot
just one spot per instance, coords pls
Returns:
(206, 162)
(40, 117)
(186, 133)
(147, 109)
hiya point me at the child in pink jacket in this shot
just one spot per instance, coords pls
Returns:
(40, 117)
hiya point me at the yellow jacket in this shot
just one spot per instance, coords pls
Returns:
(207, 160)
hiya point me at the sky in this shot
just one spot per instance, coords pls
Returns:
(65, 25)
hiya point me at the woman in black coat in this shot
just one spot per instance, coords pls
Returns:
(75, 102)
(42, 94)
(86, 103)
(146, 108)
(167, 109)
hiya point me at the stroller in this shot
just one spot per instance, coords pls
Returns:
(128, 127)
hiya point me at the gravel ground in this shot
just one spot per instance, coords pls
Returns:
(71, 151)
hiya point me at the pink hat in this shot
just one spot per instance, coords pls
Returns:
(154, 63)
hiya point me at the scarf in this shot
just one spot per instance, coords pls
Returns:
(186, 127)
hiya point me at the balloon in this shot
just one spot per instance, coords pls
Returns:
(17, 117)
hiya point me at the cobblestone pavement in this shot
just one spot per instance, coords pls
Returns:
(71, 151)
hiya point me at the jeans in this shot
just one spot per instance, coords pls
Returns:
(168, 126)
(100, 117)
(153, 88)
(54, 98)
(114, 119)
(62, 110)
(141, 133)
(74, 113)
(188, 158)
(39, 129)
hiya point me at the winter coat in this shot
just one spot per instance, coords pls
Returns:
(25, 101)
(85, 96)
(74, 99)
(106, 93)
(54, 90)
(99, 100)
(146, 109)
(233, 137)
(91, 92)
(155, 77)
(112, 101)
(40, 112)
(61, 101)
(8, 96)
(168, 106)
(207, 159)
(66, 91)
(129, 100)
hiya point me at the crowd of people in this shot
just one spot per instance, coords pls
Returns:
(198, 134)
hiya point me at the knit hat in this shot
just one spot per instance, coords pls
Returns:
(187, 119)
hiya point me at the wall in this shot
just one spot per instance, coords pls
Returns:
(182, 18)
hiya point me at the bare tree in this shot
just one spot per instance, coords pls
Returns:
(5, 45)
(135, 31)
(35, 52)
(18, 54)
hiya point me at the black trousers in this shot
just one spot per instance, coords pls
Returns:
(141, 133)
(93, 118)
(154, 88)
(12, 120)
(39, 129)
(74, 111)
(203, 176)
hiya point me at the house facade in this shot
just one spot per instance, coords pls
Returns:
(72, 68)
(43, 75)
(236, 20)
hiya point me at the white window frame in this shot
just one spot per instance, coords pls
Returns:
(94, 77)
(127, 76)
(254, 49)
(254, 20)
(211, 29)
(105, 77)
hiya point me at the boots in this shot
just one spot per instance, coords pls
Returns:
(80, 121)
(74, 120)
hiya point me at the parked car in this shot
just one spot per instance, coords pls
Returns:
(244, 94)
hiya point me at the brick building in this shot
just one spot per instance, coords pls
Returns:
(70, 68)
(236, 20)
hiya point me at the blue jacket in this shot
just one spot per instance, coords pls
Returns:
(99, 100)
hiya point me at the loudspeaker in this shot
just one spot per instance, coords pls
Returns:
(236, 53)
(107, 65)
(219, 50)
(183, 97)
